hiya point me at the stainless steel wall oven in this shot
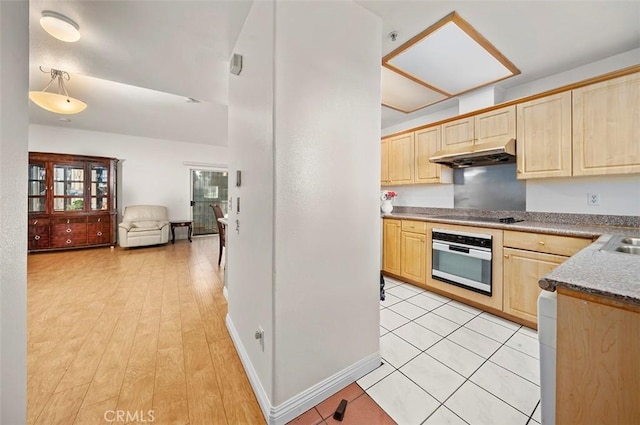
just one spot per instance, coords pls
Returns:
(462, 259)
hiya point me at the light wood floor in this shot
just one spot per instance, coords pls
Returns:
(133, 330)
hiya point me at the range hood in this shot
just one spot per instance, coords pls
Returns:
(477, 155)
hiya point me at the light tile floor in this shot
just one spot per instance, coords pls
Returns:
(448, 363)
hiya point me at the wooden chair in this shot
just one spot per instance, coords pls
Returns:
(217, 211)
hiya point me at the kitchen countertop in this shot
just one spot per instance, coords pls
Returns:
(610, 274)
(562, 229)
(613, 275)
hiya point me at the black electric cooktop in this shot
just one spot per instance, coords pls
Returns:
(506, 220)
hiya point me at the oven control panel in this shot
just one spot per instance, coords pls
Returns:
(469, 239)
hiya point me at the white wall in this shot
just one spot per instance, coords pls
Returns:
(327, 118)
(568, 195)
(424, 120)
(14, 122)
(250, 252)
(153, 170)
(619, 195)
(303, 127)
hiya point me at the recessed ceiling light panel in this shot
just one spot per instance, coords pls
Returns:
(60, 26)
(450, 57)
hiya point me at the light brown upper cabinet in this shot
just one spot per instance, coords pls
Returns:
(496, 126)
(427, 143)
(544, 137)
(492, 126)
(401, 159)
(458, 133)
(384, 163)
(606, 127)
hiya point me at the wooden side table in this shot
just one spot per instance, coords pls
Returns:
(180, 223)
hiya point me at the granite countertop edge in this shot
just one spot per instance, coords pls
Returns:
(608, 274)
(561, 229)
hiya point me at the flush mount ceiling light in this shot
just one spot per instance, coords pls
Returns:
(61, 102)
(448, 59)
(60, 26)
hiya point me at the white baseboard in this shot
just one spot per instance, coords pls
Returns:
(295, 406)
(258, 390)
(225, 292)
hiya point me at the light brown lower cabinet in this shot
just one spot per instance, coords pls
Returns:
(528, 257)
(391, 246)
(413, 256)
(598, 363)
(522, 270)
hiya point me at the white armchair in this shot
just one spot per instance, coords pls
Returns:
(143, 225)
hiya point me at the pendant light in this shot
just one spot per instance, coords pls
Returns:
(61, 102)
(60, 26)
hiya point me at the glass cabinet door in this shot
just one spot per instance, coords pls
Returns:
(99, 188)
(37, 188)
(68, 187)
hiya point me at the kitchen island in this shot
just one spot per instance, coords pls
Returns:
(598, 336)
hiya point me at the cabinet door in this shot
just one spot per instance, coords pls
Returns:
(413, 256)
(496, 126)
(391, 246)
(606, 127)
(458, 133)
(401, 159)
(384, 163)
(37, 189)
(38, 233)
(522, 270)
(427, 143)
(68, 187)
(99, 187)
(544, 137)
(99, 229)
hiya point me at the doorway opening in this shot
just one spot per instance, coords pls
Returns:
(208, 187)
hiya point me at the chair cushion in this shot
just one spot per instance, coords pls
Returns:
(146, 224)
(138, 230)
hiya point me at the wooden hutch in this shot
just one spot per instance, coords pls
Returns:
(71, 201)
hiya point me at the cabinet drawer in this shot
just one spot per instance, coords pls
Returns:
(103, 218)
(414, 226)
(551, 244)
(38, 236)
(68, 235)
(98, 233)
(38, 221)
(68, 220)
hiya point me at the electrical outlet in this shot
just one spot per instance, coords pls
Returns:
(259, 335)
(593, 199)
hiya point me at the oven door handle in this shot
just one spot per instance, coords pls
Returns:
(467, 252)
(458, 249)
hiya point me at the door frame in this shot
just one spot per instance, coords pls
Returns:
(196, 166)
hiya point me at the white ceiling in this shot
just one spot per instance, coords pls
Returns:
(138, 61)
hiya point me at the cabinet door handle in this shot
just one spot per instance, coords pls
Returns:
(68, 241)
(506, 255)
(68, 221)
(99, 233)
(68, 230)
(541, 242)
(519, 171)
(35, 222)
(36, 237)
(99, 219)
